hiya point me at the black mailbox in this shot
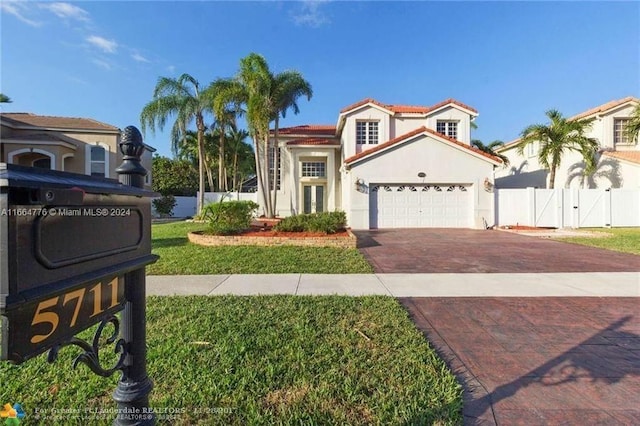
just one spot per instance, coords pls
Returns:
(66, 240)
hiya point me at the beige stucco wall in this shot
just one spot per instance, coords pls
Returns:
(348, 137)
(443, 163)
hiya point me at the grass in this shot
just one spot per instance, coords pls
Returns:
(263, 360)
(626, 240)
(179, 257)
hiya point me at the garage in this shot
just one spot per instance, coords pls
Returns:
(420, 206)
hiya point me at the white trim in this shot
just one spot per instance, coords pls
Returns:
(87, 158)
(51, 156)
(453, 105)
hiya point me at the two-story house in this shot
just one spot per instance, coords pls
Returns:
(77, 145)
(389, 166)
(618, 158)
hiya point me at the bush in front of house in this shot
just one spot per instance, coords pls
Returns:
(229, 217)
(164, 205)
(325, 222)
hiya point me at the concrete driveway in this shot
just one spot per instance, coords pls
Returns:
(470, 250)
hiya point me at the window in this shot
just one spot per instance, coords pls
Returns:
(98, 161)
(366, 132)
(531, 149)
(447, 128)
(313, 169)
(619, 133)
(42, 163)
(271, 165)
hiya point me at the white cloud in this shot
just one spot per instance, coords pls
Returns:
(139, 58)
(18, 9)
(310, 14)
(108, 46)
(67, 11)
(102, 63)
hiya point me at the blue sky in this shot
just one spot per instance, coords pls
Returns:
(511, 61)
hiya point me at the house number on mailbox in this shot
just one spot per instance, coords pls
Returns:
(64, 311)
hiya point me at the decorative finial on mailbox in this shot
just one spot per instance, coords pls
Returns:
(132, 148)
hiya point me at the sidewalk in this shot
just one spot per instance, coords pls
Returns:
(592, 284)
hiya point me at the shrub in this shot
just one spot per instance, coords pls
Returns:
(164, 205)
(325, 222)
(230, 217)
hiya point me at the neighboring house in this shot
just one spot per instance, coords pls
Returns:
(618, 158)
(389, 166)
(78, 145)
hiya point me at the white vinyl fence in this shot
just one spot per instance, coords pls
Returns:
(568, 208)
(187, 206)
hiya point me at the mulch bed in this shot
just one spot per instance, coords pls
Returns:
(258, 231)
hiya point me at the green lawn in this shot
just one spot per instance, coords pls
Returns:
(626, 240)
(179, 257)
(260, 360)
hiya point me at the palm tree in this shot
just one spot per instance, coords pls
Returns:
(632, 128)
(266, 96)
(555, 139)
(5, 99)
(287, 87)
(226, 112)
(491, 149)
(183, 98)
(241, 153)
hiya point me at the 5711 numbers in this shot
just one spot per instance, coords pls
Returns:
(86, 300)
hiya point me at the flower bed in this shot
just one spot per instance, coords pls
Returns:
(258, 237)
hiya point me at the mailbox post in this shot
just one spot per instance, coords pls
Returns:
(132, 393)
(73, 251)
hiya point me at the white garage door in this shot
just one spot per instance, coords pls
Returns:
(419, 206)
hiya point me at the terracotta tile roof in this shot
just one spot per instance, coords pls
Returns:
(314, 141)
(407, 108)
(307, 129)
(604, 107)
(416, 132)
(631, 156)
(52, 122)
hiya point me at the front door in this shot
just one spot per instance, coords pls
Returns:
(313, 198)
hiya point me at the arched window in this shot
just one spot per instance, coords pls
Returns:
(42, 163)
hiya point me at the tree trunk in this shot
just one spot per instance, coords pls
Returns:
(269, 207)
(276, 151)
(222, 182)
(259, 175)
(235, 172)
(201, 161)
(209, 172)
(552, 176)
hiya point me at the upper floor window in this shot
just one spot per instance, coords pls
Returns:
(98, 161)
(619, 131)
(447, 128)
(272, 150)
(313, 169)
(366, 132)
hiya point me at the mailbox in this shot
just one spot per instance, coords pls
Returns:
(66, 241)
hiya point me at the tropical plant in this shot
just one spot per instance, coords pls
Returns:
(229, 217)
(182, 98)
(632, 129)
(491, 149)
(164, 205)
(174, 177)
(556, 138)
(266, 96)
(5, 99)
(242, 158)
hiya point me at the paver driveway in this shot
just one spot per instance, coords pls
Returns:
(470, 250)
(539, 361)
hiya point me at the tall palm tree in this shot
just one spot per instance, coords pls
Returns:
(287, 87)
(225, 112)
(241, 153)
(633, 126)
(182, 98)
(491, 149)
(265, 96)
(558, 137)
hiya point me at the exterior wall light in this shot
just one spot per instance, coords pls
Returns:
(360, 185)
